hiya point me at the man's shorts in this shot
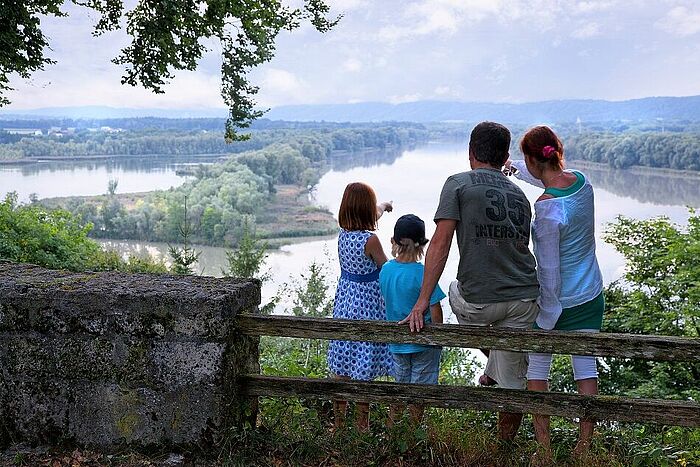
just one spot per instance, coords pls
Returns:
(508, 369)
(418, 367)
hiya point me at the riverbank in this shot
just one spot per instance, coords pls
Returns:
(290, 216)
(110, 157)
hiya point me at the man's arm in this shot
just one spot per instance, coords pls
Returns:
(435, 260)
(436, 313)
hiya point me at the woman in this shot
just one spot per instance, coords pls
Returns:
(571, 285)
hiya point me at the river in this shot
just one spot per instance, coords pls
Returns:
(412, 179)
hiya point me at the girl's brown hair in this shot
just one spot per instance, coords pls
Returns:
(542, 144)
(358, 209)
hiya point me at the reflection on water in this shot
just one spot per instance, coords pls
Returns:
(123, 164)
(83, 178)
(343, 161)
(646, 186)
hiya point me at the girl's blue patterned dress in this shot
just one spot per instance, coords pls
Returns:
(358, 300)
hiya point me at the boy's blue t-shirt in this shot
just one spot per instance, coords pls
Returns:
(400, 284)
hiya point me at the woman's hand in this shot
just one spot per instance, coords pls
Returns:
(508, 169)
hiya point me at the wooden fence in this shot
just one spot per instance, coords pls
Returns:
(600, 407)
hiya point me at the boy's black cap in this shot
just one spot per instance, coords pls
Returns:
(412, 227)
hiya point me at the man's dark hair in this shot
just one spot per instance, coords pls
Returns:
(490, 143)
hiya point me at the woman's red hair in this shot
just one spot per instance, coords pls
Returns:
(358, 209)
(536, 140)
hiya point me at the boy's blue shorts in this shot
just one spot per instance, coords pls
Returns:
(418, 367)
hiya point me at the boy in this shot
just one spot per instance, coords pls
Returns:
(400, 280)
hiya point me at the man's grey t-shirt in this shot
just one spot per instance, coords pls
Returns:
(493, 233)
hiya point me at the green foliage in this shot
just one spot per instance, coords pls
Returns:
(23, 43)
(292, 432)
(184, 257)
(55, 239)
(248, 258)
(167, 36)
(458, 366)
(58, 240)
(311, 296)
(649, 149)
(314, 144)
(223, 196)
(660, 295)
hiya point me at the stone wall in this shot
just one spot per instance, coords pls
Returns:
(113, 360)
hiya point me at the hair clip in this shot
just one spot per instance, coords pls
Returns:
(547, 151)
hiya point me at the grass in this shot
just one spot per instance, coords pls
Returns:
(297, 433)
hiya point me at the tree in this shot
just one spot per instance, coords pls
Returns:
(248, 258)
(58, 239)
(184, 257)
(167, 35)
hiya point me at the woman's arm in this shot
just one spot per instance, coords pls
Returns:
(436, 313)
(374, 250)
(546, 240)
(522, 173)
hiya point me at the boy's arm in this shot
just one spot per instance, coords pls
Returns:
(436, 313)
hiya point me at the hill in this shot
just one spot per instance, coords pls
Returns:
(646, 109)
(668, 108)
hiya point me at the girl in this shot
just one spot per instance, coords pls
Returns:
(358, 295)
(571, 285)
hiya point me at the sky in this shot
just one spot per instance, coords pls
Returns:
(402, 51)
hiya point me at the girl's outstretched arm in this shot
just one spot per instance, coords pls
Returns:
(386, 206)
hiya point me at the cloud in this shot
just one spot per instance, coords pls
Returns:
(406, 98)
(186, 90)
(439, 16)
(352, 65)
(499, 70)
(586, 31)
(279, 86)
(344, 6)
(593, 6)
(680, 21)
(447, 92)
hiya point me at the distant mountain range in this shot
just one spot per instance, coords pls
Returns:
(668, 108)
(98, 112)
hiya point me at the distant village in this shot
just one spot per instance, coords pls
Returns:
(57, 132)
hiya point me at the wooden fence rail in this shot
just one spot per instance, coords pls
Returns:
(477, 337)
(680, 413)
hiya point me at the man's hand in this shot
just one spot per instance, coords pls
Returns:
(435, 259)
(416, 317)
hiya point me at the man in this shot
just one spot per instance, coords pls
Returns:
(496, 280)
